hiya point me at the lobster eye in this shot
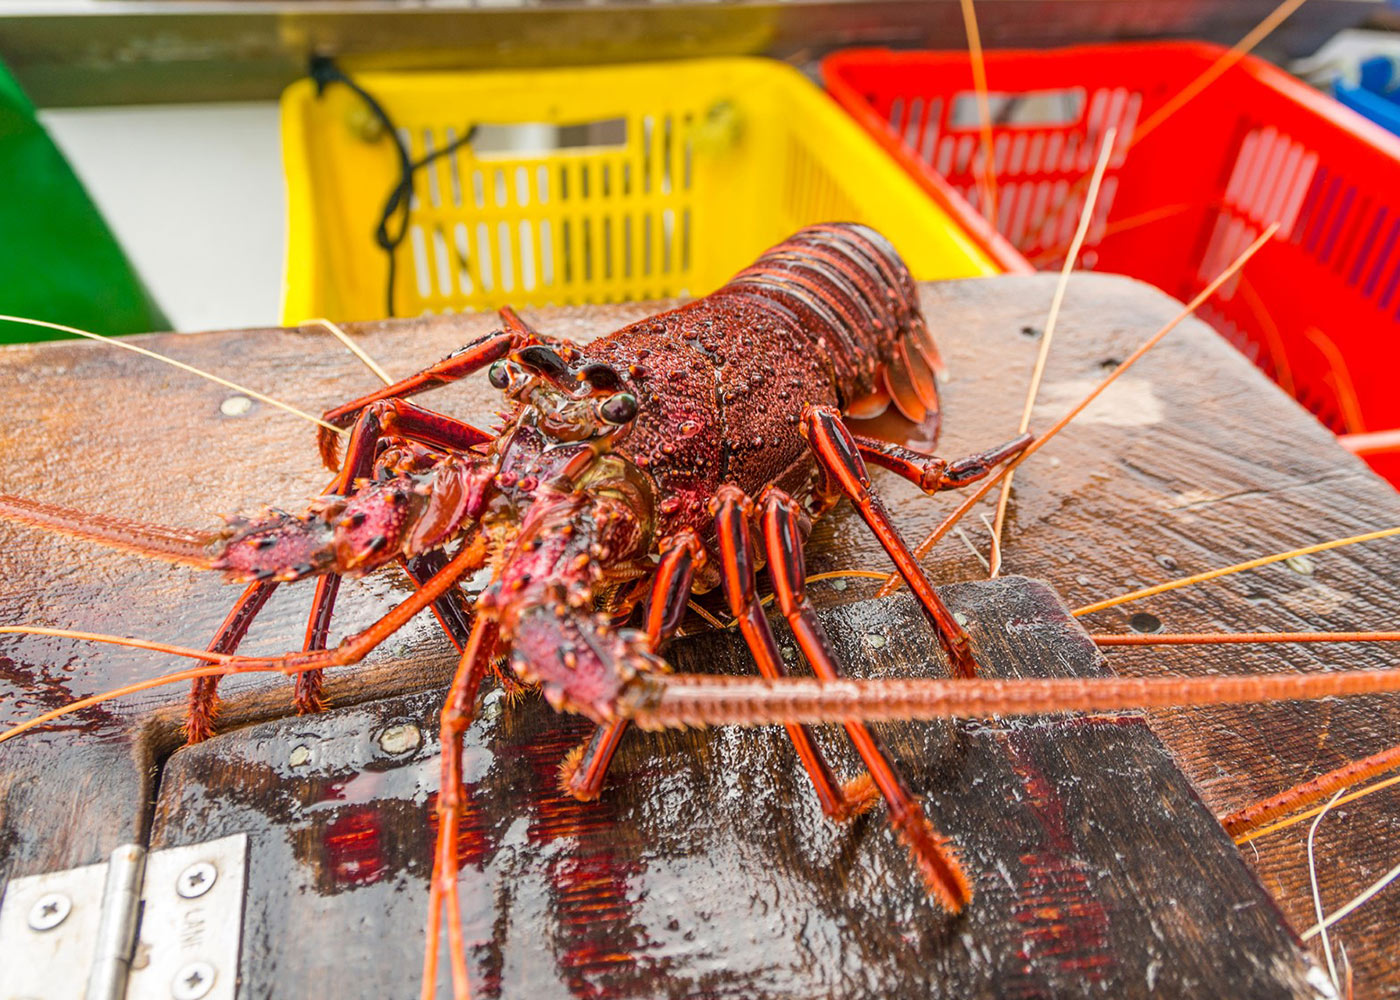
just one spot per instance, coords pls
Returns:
(499, 375)
(541, 360)
(619, 408)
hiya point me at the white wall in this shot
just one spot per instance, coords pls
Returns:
(195, 195)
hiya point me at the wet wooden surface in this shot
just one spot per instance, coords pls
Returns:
(1195, 462)
(707, 869)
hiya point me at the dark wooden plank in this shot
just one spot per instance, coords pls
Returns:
(101, 799)
(706, 868)
(1201, 462)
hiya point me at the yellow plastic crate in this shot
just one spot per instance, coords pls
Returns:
(668, 177)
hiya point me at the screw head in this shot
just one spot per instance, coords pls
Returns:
(196, 880)
(49, 910)
(400, 738)
(194, 980)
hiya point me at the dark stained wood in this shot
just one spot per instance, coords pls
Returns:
(1196, 462)
(707, 869)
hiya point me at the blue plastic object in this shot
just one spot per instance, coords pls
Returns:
(1377, 96)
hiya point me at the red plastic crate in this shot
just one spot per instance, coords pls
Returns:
(1317, 308)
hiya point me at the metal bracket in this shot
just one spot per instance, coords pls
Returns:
(139, 926)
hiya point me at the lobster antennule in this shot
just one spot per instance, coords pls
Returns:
(186, 548)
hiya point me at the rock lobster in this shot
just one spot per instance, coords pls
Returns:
(633, 471)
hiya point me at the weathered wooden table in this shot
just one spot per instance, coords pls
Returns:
(706, 869)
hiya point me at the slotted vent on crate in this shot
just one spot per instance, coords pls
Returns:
(1043, 144)
(810, 192)
(600, 211)
(1349, 235)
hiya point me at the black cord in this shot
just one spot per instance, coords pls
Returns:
(324, 72)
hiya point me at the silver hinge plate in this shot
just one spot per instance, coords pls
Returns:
(191, 922)
(64, 934)
(48, 933)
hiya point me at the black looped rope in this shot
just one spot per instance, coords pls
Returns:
(324, 72)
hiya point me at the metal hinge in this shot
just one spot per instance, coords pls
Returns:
(139, 926)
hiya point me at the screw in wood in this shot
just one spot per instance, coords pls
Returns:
(196, 880)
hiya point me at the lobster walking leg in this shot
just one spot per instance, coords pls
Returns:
(931, 473)
(582, 772)
(460, 363)
(838, 454)
(737, 556)
(451, 613)
(306, 694)
(939, 865)
(456, 717)
(401, 419)
(354, 648)
(203, 704)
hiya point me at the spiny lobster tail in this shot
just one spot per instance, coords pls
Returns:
(403, 515)
(848, 279)
(186, 548)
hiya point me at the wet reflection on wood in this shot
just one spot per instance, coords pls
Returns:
(706, 868)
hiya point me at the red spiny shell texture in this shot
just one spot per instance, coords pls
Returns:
(722, 382)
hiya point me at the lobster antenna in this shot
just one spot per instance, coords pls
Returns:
(696, 700)
(1215, 70)
(185, 548)
(1317, 893)
(1351, 907)
(351, 346)
(1246, 824)
(892, 581)
(988, 179)
(115, 342)
(1215, 574)
(680, 701)
(1085, 218)
(1238, 638)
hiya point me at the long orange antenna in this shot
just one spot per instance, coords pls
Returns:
(1188, 93)
(1240, 638)
(350, 345)
(187, 548)
(892, 581)
(1244, 824)
(679, 701)
(1215, 574)
(1217, 69)
(987, 180)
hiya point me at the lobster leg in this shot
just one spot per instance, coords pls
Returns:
(582, 772)
(400, 418)
(937, 862)
(931, 473)
(454, 617)
(737, 558)
(354, 648)
(460, 363)
(306, 694)
(456, 717)
(837, 453)
(204, 697)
